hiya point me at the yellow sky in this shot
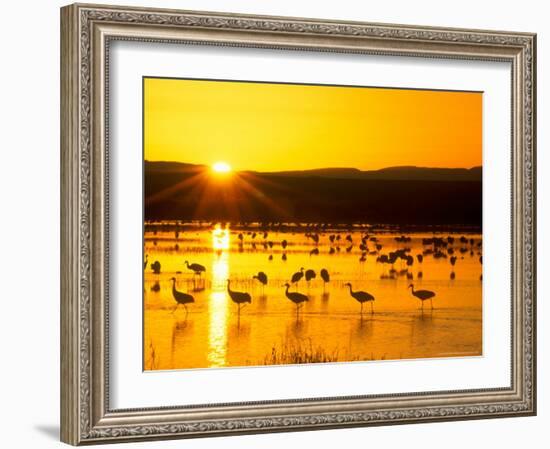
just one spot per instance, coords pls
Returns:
(271, 127)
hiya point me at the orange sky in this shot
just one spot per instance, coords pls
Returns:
(271, 127)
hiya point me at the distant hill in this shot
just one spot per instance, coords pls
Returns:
(393, 173)
(390, 173)
(394, 195)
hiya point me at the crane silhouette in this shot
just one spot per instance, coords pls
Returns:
(155, 266)
(180, 297)
(239, 298)
(422, 295)
(297, 276)
(145, 261)
(262, 278)
(297, 298)
(310, 275)
(361, 297)
(196, 268)
(325, 277)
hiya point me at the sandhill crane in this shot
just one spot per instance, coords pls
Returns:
(262, 278)
(310, 275)
(326, 277)
(296, 298)
(422, 295)
(314, 252)
(180, 297)
(453, 262)
(361, 297)
(196, 268)
(283, 257)
(145, 261)
(297, 276)
(239, 298)
(155, 266)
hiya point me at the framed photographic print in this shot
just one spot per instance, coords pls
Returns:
(280, 224)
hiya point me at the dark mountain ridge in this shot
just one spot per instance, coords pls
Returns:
(389, 173)
(396, 195)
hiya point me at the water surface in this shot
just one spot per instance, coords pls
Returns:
(330, 326)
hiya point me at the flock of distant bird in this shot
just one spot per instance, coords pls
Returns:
(437, 247)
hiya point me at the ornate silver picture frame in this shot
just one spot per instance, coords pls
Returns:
(87, 31)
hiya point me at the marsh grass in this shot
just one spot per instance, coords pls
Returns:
(289, 353)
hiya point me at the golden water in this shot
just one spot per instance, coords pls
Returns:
(330, 326)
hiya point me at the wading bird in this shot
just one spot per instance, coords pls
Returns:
(261, 277)
(155, 266)
(196, 268)
(297, 276)
(239, 298)
(361, 297)
(145, 261)
(326, 277)
(180, 297)
(423, 295)
(310, 275)
(295, 297)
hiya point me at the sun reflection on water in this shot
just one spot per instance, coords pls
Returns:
(217, 330)
(220, 238)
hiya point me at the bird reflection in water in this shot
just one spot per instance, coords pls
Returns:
(364, 327)
(182, 333)
(297, 328)
(422, 327)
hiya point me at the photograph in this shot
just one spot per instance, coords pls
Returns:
(288, 223)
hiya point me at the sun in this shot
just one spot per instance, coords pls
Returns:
(221, 167)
